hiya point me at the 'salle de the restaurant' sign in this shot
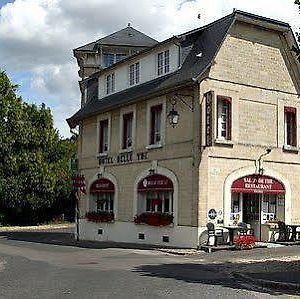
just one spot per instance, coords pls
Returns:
(258, 184)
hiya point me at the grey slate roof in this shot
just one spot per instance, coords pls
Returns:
(205, 40)
(124, 37)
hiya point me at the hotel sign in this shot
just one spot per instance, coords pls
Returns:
(208, 118)
(258, 184)
(123, 158)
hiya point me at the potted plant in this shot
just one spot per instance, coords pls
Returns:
(154, 219)
(101, 216)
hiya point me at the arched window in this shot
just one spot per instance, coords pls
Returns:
(155, 194)
(103, 191)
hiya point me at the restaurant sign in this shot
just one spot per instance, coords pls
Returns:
(257, 184)
(155, 182)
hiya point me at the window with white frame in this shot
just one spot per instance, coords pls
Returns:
(163, 62)
(290, 126)
(134, 73)
(105, 202)
(156, 124)
(110, 83)
(127, 138)
(103, 136)
(159, 201)
(223, 118)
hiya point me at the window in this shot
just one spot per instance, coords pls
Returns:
(134, 73)
(108, 59)
(224, 118)
(163, 62)
(127, 130)
(110, 83)
(111, 58)
(155, 124)
(103, 130)
(159, 202)
(92, 89)
(290, 126)
(105, 202)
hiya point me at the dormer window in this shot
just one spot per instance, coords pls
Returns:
(134, 73)
(111, 58)
(163, 62)
(110, 83)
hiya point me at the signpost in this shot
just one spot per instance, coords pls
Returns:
(78, 186)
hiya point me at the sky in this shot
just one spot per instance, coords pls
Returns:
(37, 37)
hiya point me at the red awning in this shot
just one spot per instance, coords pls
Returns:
(257, 184)
(155, 182)
(102, 186)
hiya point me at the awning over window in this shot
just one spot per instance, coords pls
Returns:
(258, 184)
(155, 182)
(102, 186)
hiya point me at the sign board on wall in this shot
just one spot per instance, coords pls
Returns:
(208, 118)
(123, 158)
(258, 184)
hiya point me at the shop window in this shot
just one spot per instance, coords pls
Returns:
(103, 136)
(223, 118)
(134, 73)
(155, 124)
(163, 62)
(127, 141)
(159, 202)
(290, 126)
(104, 202)
(110, 83)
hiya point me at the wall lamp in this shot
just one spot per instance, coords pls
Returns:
(173, 115)
(258, 162)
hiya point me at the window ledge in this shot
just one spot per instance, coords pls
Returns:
(290, 148)
(224, 142)
(126, 150)
(153, 146)
(102, 155)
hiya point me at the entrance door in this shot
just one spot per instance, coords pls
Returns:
(251, 212)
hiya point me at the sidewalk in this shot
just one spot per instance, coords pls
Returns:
(45, 227)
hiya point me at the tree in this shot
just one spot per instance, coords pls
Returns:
(34, 160)
(295, 49)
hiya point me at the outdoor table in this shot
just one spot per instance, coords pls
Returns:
(231, 229)
(294, 231)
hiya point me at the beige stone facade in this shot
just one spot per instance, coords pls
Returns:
(254, 68)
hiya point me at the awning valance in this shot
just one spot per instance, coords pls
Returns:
(257, 184)
(155, 182)
(102, 186)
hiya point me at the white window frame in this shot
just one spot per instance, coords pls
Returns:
(99, 119)
(134, 73)
(151, 103)
(228, 127)
(108, 203)
(164, 68)
(171, 202)
(123, 111)
(110, 83)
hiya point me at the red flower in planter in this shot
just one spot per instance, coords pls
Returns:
(154, 219)
(244, 242)
(103, 216)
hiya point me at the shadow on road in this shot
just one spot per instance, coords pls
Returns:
(67, 239)
(224, 274)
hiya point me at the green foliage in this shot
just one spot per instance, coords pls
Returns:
(296, 50)
(34, 160)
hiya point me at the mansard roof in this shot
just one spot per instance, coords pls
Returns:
(127, 36)
(200, 47)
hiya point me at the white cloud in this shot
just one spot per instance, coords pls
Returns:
(37, 36)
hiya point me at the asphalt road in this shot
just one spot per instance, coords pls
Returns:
(32, 269)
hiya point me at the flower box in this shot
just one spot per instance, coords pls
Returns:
(103, 216)
(244, 242)
(154, 219)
